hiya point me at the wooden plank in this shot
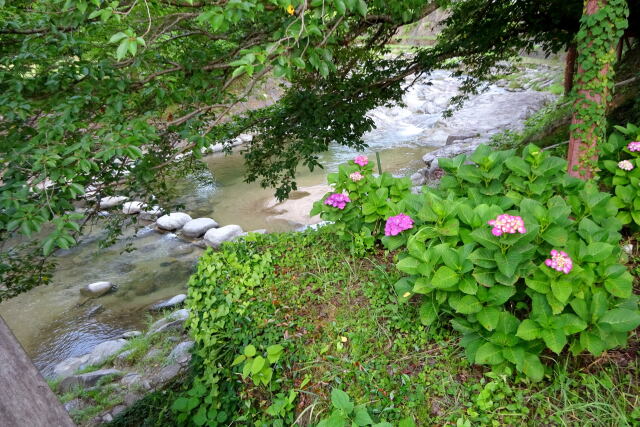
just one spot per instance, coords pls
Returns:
(25, 398)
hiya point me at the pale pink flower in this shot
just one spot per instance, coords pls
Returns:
(397, 224)
(356, 176)
(560, 261)
(361, 160)
(625, 165)
(634, 146)
(507, 224)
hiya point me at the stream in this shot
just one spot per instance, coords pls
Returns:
(54, 322)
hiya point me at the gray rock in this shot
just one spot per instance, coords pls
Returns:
(173, 321)
(74, 405)
(117, 410)
(197, 227)
(418, 179)
(111, 201)
(166, 375)
(245, 137)
(181, 250)
(172, 302)
(216, 236)
(181, 353)
(85, 380)
(69, 366)
(131, 334)
(94, 309)
(107, 418)
(122, 357)
(131, 208)
(453, 138)
(154, 353)
(97, 289)
(131, 379)
(105, 350)
(150, 214)
(260, 231)
(131, 398)
(173, 221)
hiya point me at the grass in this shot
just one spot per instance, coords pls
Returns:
(344, 329)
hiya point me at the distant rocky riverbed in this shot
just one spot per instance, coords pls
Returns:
(67, 319)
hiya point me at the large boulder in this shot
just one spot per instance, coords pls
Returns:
(131, 208)
(86, 380)
(69, 366)
(216, 236)
(197, 227)
(105, 350)
(173, 221)
(111, 201)
(97, 289)
(171, 302)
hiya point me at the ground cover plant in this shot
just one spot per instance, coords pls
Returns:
(337, 318)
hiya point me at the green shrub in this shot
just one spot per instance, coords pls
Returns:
(556, 283)
(371, 200)
(623, 177)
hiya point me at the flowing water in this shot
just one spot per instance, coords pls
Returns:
(54, 322)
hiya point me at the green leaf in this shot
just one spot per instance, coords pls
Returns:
(621, 286)
(508, 264)
(117, 37)
(408, 265)
(257, 365)
(122, 49)
(361, 416)
(444, 278)
(428, 313)
(554, 339)
(518, 165)
(489, 317)
(561, 290)
(341, 400)
(362, 7)
(592, 342)
(528, 330)
(532, 367)
(489, 354)
(238, 360)
(570, 323)
(468, 304)
(556, 236)
(250, 350)
(621, 319)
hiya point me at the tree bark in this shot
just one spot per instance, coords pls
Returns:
(589, 110)
(569, 68)
(26, 398)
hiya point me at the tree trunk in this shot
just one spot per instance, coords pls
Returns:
(569, 68)
(594, 81)
(26, 398)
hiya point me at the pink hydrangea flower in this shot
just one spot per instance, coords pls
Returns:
(356, 176)
(397, 224)
(361, 160)
(625, 165)
(337, 200)
(507, 224)
(560, 261)
(634, 146)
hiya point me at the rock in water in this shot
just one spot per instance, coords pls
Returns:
(105, 350)
(173, 221)
(111, 201)
(150, 214)
(97, 289)
(172, 302)
(131, 208)
(131, 334)
(86, 380)
(173, 321)
(197, 227)
(216, 236)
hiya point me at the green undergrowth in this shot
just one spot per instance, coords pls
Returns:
(334, 322)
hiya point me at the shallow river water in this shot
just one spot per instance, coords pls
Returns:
(54, 322)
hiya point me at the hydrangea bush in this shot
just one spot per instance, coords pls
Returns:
(361, 202)
(620, 159)
(521, 258)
